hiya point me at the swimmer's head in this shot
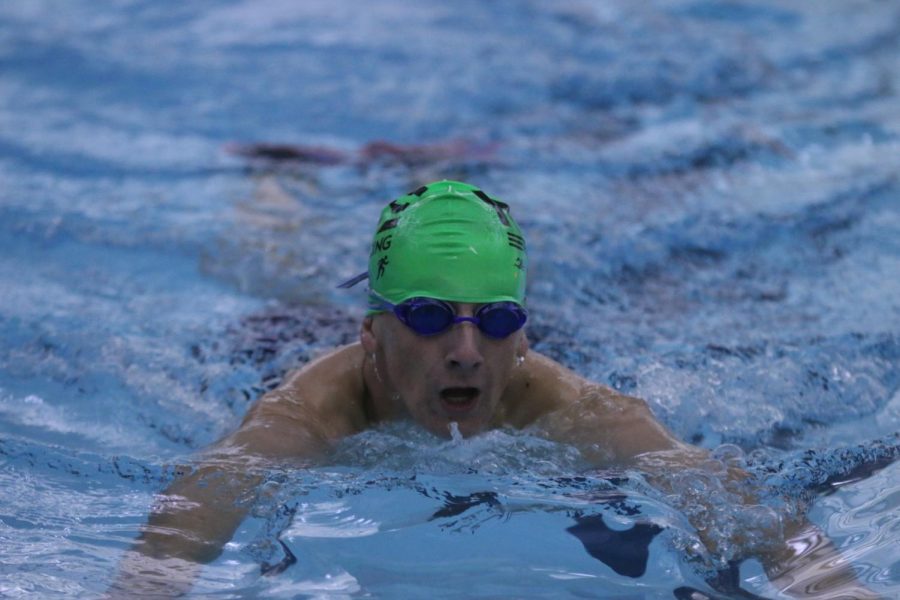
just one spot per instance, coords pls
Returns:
(447, 240)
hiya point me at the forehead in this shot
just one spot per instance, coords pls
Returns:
(457, 306)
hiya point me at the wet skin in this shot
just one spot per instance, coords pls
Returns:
(459, 375)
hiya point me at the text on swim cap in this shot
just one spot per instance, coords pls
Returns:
(381, 245)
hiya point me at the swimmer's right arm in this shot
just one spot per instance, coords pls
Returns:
(195, 516)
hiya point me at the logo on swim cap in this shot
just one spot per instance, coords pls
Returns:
(448, 240)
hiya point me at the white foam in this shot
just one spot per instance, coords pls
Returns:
(564, 575)
(329, 520)
(34, 411)
(332, 586)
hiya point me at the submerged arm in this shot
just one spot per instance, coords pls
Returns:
(810, 565)
(733, 522)
(612, 430)
(189, 524)
(197, 514)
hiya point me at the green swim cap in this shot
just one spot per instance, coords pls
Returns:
(451, 241)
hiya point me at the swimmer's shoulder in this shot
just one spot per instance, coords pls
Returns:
(331, 385)
(325, 396)
(541, 386)
(338, 370)
(538, 386)
(609, 427)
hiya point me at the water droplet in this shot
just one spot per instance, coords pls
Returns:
(454, 432)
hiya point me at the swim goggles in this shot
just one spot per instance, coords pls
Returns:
(429, 316)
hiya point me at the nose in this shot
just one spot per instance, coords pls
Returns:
(464, 351)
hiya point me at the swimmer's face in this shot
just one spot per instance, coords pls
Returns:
(458, 375)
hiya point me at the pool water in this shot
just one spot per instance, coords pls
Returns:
(711, 198)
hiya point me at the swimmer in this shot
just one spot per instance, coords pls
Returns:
(274, 156)
(443, 344)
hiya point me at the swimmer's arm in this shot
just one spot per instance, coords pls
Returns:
(798, 557)
(189, 524)
(809, 565)
(613, 430)
(199, 512)
(195, 516)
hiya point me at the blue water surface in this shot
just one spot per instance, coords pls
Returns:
(710, 191)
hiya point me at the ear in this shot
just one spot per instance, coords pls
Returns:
(367, 335)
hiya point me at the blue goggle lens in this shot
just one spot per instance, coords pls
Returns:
(501, 319)
(427, 316)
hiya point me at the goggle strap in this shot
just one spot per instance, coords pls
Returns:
(353, 280)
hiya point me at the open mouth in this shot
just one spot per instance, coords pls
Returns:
(459, 399)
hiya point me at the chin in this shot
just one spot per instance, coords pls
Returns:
(472, 416)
